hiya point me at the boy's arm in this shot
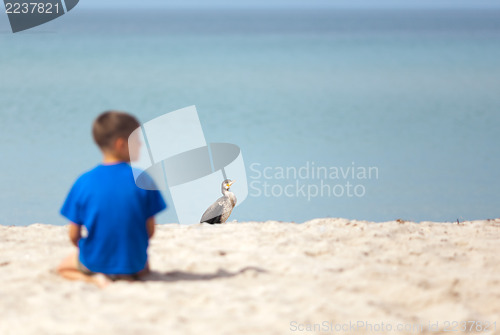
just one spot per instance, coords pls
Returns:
(150, 226)
(75, 233)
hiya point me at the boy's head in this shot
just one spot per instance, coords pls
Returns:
(111, 131)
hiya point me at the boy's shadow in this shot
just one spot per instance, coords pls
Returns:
(173, 276)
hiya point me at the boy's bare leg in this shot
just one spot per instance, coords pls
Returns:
(144, 271)
(69, 269)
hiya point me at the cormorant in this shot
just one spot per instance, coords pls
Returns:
(220, 210)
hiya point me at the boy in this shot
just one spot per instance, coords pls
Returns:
(118, 215)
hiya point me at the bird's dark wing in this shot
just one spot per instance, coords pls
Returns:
(217, 219)
(214, 213)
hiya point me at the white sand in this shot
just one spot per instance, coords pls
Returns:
(261, 278)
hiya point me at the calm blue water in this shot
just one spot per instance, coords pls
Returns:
(413, 93)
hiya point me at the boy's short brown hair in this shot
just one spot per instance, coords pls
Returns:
(111, 125)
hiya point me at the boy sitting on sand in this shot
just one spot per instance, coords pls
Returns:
(118, 215)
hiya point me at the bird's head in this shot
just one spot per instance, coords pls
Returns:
(226, 184)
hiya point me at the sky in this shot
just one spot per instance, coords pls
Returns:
(290, 3)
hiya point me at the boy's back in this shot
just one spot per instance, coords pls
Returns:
(114, 211)
(118, 215)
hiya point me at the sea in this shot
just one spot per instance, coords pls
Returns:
(354, 113)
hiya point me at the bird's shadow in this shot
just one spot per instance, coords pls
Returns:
(173, 276)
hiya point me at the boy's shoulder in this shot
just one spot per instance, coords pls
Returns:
(121, 172)
(93, 175)
(144, 180)
(88, 174)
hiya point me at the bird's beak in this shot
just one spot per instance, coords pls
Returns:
(231, 183)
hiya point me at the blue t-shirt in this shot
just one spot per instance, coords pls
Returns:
(114, 210)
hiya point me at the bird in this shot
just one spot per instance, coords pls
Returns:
(220, 210)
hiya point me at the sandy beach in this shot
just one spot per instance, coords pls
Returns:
(319, 277)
